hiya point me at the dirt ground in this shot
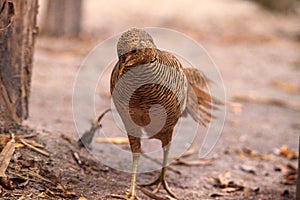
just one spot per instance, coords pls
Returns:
(257, 53)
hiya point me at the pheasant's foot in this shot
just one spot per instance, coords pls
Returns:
(158, 182)
(151, 183)
(127, 196)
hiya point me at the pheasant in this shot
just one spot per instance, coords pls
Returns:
(151, 91)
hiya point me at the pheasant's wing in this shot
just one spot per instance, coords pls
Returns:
(199, 101)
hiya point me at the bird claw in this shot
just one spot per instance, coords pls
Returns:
(151, 194)
(151, 183)
(158, 182)
(125, 197)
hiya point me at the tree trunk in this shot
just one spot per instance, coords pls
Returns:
(63, 18)
(17, 36)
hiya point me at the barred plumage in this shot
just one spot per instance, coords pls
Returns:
(145, 84)
(150, 86)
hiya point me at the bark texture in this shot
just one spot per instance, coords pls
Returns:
(17, 37)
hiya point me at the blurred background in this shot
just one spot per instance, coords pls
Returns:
(254, 43)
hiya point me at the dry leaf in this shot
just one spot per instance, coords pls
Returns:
(224, 178)
(289, 173)
(82, 198)
(6, 183)
(116, 140)
(286, 152)
(222, 181)
(285, 168)
(289, 179)
(228, 186)
(254, 154)
(6, 155)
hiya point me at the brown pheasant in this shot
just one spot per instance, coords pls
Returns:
(151, 90)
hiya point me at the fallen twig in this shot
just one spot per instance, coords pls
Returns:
(116, 140)
(34, 174)
(27, 136)
(33, 143)
(181, 161)
(77, 158)
(21, 176)
(34, 148)
(189, 152)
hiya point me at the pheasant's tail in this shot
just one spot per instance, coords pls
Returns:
(200, 102)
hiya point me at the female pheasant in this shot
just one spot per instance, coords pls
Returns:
(151, 90)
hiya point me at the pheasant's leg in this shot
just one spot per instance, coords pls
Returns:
(133, 178)
(162, 180)
(135, 144)
(164, 172)
(131, 194)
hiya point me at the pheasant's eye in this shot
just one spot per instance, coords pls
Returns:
(133, 51)
(122, 59)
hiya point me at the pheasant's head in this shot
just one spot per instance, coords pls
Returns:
(134, 39)
(135, 47)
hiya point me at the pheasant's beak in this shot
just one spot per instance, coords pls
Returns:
(121, 70)
(129, 62)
